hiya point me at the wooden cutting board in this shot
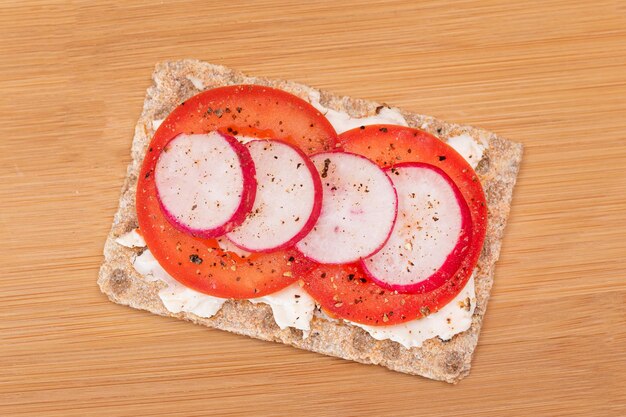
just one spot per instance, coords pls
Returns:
(550, 74)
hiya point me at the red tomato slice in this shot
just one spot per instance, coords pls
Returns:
(248, 110)
(344, 290)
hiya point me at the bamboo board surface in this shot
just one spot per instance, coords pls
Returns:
(549, 74)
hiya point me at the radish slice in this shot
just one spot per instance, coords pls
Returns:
(431, 235)
(205, 183)
(288, 198)
(359, 208)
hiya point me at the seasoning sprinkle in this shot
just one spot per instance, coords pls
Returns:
(195, 259)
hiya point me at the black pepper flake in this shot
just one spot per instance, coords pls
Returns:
(325, 169)
(350, 277)
(291, 259)
(148, 174)
(439, 130)
(436, 219)
(195, 259)
(363, 280)
(442, 157)
(362, 127)
(238, 109)
(383, 129)
(323, 275)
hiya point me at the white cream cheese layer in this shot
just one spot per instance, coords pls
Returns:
(471, 150)
(131, 239)
(455, 317)
(343, 122)
(175, 296)
(293, 307)
(156, 123)
(197, 82)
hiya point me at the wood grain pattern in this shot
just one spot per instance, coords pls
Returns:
(549, 74)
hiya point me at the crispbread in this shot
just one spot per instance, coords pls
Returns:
(447, 361)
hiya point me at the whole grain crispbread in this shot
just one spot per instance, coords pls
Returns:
(447, 361)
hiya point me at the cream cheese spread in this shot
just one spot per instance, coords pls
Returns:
(343, 122)
(293, 307)
(470, 149)
(455, 317)
(197, 82)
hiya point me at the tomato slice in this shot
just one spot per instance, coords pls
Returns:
(248, 110)
(344, 290)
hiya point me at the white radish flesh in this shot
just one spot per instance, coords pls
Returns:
(358, 209)
(431, 233)
(288, 198)
(205, 183)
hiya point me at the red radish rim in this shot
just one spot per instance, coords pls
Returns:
(247, 196)
(454, 259)
(317, 202)
(395, 214)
